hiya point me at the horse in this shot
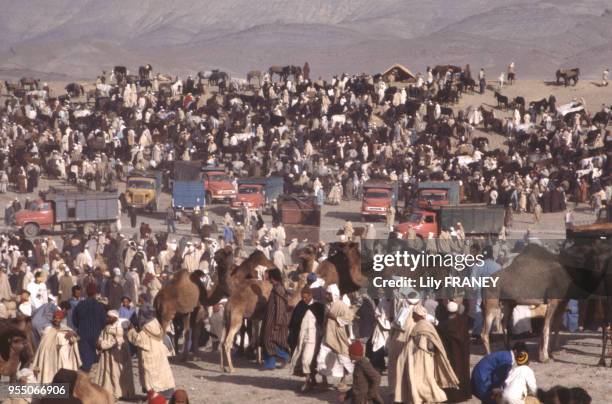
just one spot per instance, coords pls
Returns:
(519, 102)
(541, 105)
(120, 73)
(440, 70)
(217, 76)
(144, 72)
(511, 78)
(502, 100)
(468, 82)
(75, 89)
(568, 75)
(489, 120)
(254, 74)
(295, 71)
(29, 83)
(282, 72)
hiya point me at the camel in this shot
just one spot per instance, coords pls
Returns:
(186, 292)
(183, 295)
(539, 277)
(248, 296)
(343, 266)
(81, 387)
(13, 345)
(547, 279)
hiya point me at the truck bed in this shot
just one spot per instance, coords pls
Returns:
(475, 218)
(74, 205)
(188, 194)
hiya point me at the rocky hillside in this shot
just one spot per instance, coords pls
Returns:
(81, 37)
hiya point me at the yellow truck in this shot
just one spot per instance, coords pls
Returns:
(143, 190)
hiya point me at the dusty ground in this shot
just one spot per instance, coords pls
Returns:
(574, 365)
(205, 383)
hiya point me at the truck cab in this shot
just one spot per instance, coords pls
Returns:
(142, 190)
(422, 221)
(432, 194)
(378, 197)
(218, 186)
(376, 202)
(250, 195)
(432, 197)
(39, 214)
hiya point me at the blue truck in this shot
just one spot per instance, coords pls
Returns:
(188, 185)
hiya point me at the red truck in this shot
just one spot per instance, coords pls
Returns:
(476, 219)
(258, 193)
(69, 208)
(378, 197)
(218, 185)
(437, 193)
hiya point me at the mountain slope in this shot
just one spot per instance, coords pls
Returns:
(82, 37)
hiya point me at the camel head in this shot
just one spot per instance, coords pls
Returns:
(307, 253)
(224, 256)
(12, 342)
(17, 344)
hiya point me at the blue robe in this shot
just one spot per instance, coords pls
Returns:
(89, 317)
(490, 373)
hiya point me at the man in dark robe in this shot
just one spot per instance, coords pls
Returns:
(306, 71)
(89, 318)
(275, 324)
(114, 293)
(305, 334)
(455, 335)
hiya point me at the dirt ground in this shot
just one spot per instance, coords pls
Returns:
(575, 364)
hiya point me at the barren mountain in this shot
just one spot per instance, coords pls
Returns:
(81, 37)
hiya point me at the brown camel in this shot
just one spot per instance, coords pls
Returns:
(342, 267)
(13, 343)
(534, 274)
(184, 294)
(248, 296)
(583, 270)
(81, 387)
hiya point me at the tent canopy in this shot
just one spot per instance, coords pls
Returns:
(398, 72)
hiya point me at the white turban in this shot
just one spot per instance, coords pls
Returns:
(113, 313)
(333, 290)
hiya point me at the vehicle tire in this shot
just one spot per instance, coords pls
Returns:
(31, 230)
(208, 198)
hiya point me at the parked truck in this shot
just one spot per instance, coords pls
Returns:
(143, 189)
(218, 185)
(301, 217)
(378, 197)
(600, 229)
(437, 193)
(188, 185)
(476, 219)
(69, 209)
(258, 193)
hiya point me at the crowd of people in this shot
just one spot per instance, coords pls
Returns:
(89, 299)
